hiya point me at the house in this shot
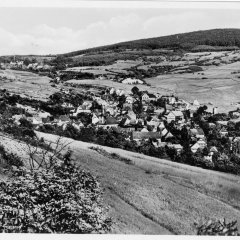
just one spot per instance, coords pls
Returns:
(178, 147)
(35, 120)
(168, 135)
(129, 99)
(120, 92)
(169, 108)
(200, 144)
(222, 123)
(175, 116)
(223, 131)
(161, 125)
(18, 117)
(132, 116)
(197, 132)
(95, 119)
(236, 145)
(44, 115)
(196, 103)
(164, 131)
(126, 120)
(145, 135)
(110, 110)
(152, 97)
(112, 90)
(154, 122)
(111, 121)
(213, 149)
(144, 130)
(212, 125)
(208, 158)
(235, 113)
(159, 111)
(147, 97)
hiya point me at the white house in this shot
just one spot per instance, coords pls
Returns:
(198, 145)
(175, 115)
(196, 103)
(129, 99)
(148, 97)
(112, 90)
(95, 119)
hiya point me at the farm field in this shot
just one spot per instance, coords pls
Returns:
(108, 83)
(156, 196)
(26, 84)
(217, 86)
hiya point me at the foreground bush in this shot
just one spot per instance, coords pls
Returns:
(219, 227)
(63, 200)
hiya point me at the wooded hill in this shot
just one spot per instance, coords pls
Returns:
(214, 39)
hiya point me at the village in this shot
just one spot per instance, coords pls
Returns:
(143, 118)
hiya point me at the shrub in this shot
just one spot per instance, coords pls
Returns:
(63, 200)
(218, 227)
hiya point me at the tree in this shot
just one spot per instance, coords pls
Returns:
(85, 118)
(135, 90)
(137, 107)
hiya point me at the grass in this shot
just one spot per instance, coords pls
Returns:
(112, 155)
(169, 201)
(27, 84)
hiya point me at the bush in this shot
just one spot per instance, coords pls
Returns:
(219, 227)
(63, 200)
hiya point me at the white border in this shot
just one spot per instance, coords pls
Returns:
(177, 4)
(207, 4)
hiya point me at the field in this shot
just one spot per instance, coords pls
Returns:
(109, 83)
(155, 196)
(217, 86)
(26, 84)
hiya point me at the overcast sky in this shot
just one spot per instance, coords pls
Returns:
(63, 28)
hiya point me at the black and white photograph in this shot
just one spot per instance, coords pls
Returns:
(119, 118)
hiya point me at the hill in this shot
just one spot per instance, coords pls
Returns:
(149, 195)
(186, 41)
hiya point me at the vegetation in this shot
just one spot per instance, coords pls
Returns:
(219, 227)
(9, 159)
(65, 199)
(186, 41)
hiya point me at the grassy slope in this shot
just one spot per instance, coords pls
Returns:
(156, 196)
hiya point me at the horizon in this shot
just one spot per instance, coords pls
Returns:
(68, 28)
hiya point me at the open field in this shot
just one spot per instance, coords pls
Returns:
(219, 86)
(155, 196)
(108, 83)
(26, 84)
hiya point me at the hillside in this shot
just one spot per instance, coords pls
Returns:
(154, 196)
(186, 41)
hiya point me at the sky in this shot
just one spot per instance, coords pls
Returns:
(69, 26)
